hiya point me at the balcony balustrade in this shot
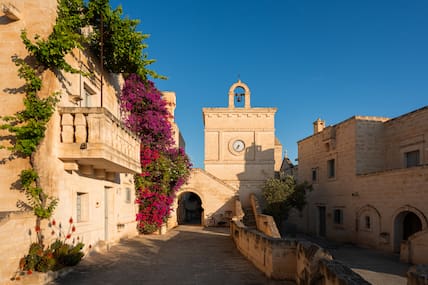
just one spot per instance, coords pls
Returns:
(95, 142)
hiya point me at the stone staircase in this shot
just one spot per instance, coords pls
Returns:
(249, 219)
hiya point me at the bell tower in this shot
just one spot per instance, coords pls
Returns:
(240, 142)
(239, 96)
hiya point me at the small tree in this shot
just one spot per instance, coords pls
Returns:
(283, 194)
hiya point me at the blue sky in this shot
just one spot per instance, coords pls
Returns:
(309, 59)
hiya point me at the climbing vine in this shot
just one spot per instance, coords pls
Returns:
(29, 125)
(120, 47)
(124, 50)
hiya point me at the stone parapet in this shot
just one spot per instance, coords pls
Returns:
(265, 223)
(97, 143)
(289, 259)
(274, 257)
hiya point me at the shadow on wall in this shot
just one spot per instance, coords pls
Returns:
(259, 166)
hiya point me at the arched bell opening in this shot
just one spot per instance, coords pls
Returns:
(239, 97)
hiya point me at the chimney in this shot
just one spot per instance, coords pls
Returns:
(319, 125)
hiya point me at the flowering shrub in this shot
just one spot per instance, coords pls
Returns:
(164, 168)
(63, 251)
(146, 113)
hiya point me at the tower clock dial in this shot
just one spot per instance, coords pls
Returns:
(238, 145)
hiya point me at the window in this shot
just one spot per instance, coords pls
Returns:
(128, 195)
(367, 222)
(314, 175)
(82, 211)
(87, 96)
(412, 158)
(331, 169)
(338, 216)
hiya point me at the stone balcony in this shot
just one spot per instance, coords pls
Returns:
(95, 143)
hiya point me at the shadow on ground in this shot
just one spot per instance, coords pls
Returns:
(375, 266)
(185, 255)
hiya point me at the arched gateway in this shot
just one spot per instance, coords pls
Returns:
(189, 209)
(204, 200)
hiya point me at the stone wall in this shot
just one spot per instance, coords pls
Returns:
(106, 192)
(299, 261)
(415, 249)
(275, 257)
(372, 189)
(15, 241)
(264, 223)
(217, 197)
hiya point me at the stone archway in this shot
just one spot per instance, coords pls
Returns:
(407, 221)
(189, 209)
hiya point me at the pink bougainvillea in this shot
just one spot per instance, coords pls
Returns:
(146, 114)
(164, 168)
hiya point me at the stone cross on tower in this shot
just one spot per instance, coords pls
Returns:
(232, 94)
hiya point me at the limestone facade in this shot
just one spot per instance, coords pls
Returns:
(87, 158)
(217, 198)
(240, 144)
(370, 177)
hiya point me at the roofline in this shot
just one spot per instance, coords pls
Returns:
(409, 113)
(369, 118)
(356, 118)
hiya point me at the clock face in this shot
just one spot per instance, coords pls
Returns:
(238, 145)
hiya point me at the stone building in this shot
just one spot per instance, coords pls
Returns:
(370, 180)
(240, 144)
(87, 158)
(241, 152)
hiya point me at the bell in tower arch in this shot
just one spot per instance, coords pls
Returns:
(239, 95)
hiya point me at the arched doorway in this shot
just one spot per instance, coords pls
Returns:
(406, 224)
(411, 225)
(190, 209)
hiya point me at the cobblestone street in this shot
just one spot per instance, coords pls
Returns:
(186, 255)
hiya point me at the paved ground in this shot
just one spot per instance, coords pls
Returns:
(187, 255)
(377, 267)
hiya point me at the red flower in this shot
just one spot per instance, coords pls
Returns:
(90, 246)
(68, 236)
(37, 229)
(73, 229)
(53, 222)
(71, 220)
(29, 272)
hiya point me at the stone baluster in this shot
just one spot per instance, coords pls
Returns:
(108, 131)
(67, 133)
(80, 125)
(95, 127)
